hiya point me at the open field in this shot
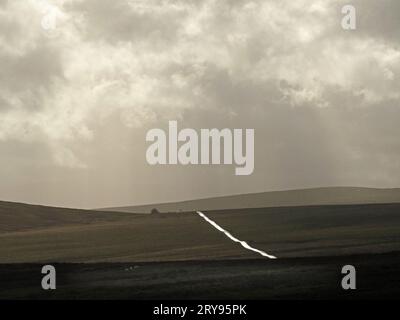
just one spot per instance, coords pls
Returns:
(316, 230)
(284, 232)
(179, 255)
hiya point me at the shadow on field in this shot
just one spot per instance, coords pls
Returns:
(291, 278)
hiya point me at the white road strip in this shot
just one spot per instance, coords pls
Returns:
(243, 243)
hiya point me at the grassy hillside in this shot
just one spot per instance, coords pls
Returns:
(141, 238)
(316, 230)
(179, 255)
(305, 197)
(20, 217)
(281, 231)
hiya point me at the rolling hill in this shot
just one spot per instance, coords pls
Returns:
(30, 233)
(302, 197)
(108, 254)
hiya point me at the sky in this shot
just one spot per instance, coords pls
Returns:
(82, 81)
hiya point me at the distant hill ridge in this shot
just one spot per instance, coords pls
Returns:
(301, 197)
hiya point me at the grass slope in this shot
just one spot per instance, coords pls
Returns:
(282, 231)
(304, 197)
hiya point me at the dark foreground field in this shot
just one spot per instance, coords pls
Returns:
(303, 278)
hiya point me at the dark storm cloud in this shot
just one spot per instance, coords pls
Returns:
(33, 70)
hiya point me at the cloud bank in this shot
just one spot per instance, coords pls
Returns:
(77, 98)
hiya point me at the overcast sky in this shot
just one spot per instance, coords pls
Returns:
(76, 101)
